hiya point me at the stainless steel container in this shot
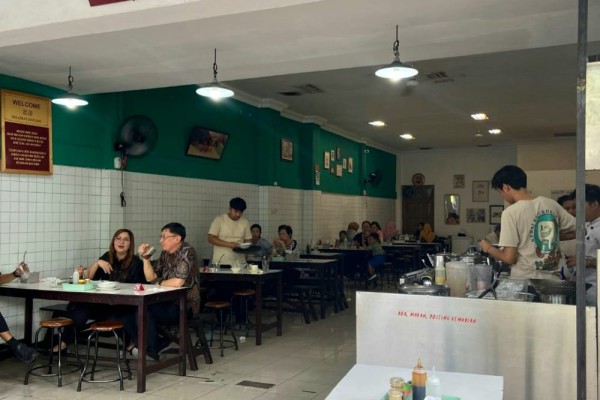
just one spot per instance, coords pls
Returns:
(433, 290)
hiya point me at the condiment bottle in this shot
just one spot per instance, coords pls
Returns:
(440, 274)
(434, 387)
(419, 380)
(395, 392)
(75, 277)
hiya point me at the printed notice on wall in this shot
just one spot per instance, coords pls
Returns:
(26, 133)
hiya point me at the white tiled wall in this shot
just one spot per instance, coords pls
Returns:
(68, 218)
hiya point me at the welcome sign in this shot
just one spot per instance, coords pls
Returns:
(26, 133)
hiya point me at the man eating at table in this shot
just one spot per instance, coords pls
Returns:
(20, 350)
(177, 266)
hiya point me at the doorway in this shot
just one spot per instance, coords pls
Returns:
(417, 206)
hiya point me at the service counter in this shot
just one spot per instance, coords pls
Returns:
(531, 345)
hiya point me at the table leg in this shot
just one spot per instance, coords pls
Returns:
(323, 289)
(141, 343)
(280, 305)
(183, 328)
(28, 319)
(258, 313)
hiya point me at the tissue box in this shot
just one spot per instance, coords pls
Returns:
(33, 277)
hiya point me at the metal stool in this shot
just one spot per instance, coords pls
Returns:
(220, 306)
(104, 327)
(244, 296)
(55, 326)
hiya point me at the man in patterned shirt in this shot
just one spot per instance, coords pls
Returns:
(177, 266)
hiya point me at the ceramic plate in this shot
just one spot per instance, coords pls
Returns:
(107, 289)
(245, 245)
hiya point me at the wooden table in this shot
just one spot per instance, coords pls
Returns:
(373, 381)
(126, 295)
(226, 275)
(339, 276)
(323, 268)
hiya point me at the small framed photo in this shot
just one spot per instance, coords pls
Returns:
(350, 165)
(345, 163)
(206, 143)
(338, 170)
(326, 160)
(287, 150)
(332, 155)
(475, 215)
(339, 153)
(496, 214)
(332, 170)
(481, 191)
(459, 181)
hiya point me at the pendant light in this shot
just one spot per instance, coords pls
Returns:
(397, 69)
(215, 90)
(70, 99)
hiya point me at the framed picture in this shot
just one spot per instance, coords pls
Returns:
(317, 175)
(326, 160)
(338, 170)
(481, 191)
(287, 150)
(206, 143)
(350, 165)
(332, 155)
(475, 215)
(496, 214)
(339, 153)
(332, 170)
(459, 181)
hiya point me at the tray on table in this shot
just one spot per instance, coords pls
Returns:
(76, 287)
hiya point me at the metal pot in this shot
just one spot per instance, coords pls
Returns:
(556, 292)
(433, 290)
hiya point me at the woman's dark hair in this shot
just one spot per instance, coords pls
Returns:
(510, 175)
(374, 235)
(256, 226)
(176, 228)
(237, 203)
(112, 252)
(563, 199)
(286, 228)
(376, 224)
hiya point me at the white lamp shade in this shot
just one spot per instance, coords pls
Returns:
(70, 100)
(215, 91)
(396, 71)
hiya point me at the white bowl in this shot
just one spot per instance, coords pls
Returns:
(235, 269)
(245, 245)
(106, 284)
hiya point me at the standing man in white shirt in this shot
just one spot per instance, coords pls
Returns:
(228, 231)
(592, 240)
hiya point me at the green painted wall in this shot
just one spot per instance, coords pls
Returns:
(84, 137)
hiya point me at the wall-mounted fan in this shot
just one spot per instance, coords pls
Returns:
(374, 178)
(136, 137)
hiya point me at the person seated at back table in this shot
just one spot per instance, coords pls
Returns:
(118, 264)
(352, 230)
(494, 237)
(342, 240)
(376, 228)
(20, 350)
(285, 241)
(377, 255)
(420, 226)
(360, 240)
(177, 266)
(257, 240)
(391, 232)
(427, 234)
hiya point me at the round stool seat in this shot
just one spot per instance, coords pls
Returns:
(244, 292)
(218, 304)
(106, 326)
(56, 323)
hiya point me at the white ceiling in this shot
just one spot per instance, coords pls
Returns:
(514, 59)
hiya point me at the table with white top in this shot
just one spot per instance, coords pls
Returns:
(372, 382)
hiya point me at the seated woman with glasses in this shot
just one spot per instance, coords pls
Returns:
(117, 264)
(285, 241)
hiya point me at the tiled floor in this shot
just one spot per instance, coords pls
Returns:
(305, 363)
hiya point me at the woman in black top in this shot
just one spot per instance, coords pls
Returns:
(117, 264)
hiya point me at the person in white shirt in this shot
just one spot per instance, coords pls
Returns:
(531, 228)
(228, 231)
(592, 240)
